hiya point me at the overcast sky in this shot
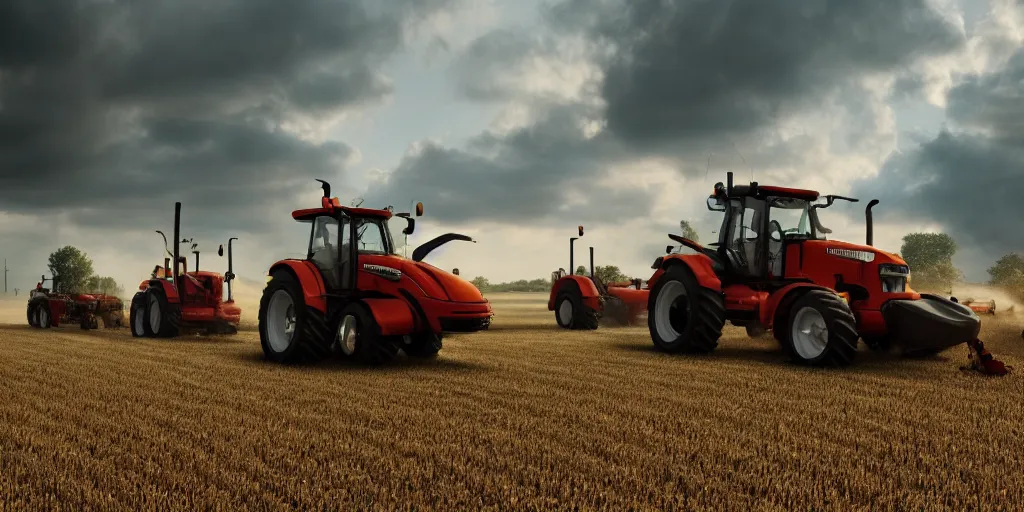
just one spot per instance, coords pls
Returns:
(512, 121)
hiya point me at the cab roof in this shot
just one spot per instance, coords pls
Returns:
(333, 205)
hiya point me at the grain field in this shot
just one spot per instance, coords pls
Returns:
(523, 416)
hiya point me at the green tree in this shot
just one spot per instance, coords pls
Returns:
(688, 231)
(72, 269)
(927, 249)
(610, 274)
(582, 271)
(481, 283)
(104, 285)
(930, 256)
(1008, 274)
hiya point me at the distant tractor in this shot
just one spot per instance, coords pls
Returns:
(362, 300)
(47, 309)
(774, 269)
(579, 302)
(172, 300)
(981, 307)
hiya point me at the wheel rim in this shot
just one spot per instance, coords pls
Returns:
(154, 314)
(671, 311)
(44, 317)
(348, 333)
(140, 317)
(810, 333)
(280, 321)
(565, 312)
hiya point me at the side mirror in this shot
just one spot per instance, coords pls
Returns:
(220, 250)
(419, 210)
(715, 205)
(580, 228)
(668, 249)
(412, 225)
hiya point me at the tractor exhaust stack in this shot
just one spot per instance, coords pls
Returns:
(230, 276)
(591, 262)
(870, 222)
(572, 269)
(728, 184)
(197, 260)
(177, 238)
(167, 267)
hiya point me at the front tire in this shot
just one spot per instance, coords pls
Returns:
(822, 330)
(290, 331)
(424, 345)
(684, 316)
(359, 337)
(33, 314)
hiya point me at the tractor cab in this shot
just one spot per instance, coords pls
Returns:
(333, 229)
(758, 226)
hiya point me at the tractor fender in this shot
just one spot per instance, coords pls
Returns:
(169, 290)
(393, 316)
(309, 278)
(700, 266)
(587, 288)
(770, 307)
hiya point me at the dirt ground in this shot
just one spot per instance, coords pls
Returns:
(523, 416)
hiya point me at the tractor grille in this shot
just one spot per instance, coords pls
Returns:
(894, 277)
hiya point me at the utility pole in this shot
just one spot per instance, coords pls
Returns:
(5, 276)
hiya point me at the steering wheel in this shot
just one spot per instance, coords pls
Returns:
(775, 232)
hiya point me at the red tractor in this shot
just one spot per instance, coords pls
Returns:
(362, 299)
(774, 269)
(579, 302)
(174, 300)
(47, 309)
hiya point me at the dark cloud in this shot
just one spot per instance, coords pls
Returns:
(533, 174)
(108, 109)
(688, 69)
(680, 80)
(970, 181)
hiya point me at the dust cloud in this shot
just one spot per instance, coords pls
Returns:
(12, 309)
(981, 292)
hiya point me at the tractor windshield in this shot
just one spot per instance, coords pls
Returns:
(374, 236)
(796, 218)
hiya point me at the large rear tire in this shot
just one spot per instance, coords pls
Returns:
(33, 313)
(290, 331)
(137, 319)
(43, 315)
(164, 317)
(571, 313)
(359, 337)
(822, 330)
(684, 316)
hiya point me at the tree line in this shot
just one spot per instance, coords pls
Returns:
(74, 272)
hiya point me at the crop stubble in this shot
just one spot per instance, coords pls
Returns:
(523, 416)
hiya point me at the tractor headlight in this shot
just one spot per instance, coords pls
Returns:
(894, 277)
(852, 254)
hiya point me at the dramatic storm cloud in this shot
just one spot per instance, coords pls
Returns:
(513, 122)
(969, 178)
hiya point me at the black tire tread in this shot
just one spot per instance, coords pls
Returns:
(842, 329)
(709, 318)
(424, 345)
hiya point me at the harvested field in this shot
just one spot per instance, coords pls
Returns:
(524, 416)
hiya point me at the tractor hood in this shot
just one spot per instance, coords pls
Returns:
(436, 283)
(457, 289)
(858, 251)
